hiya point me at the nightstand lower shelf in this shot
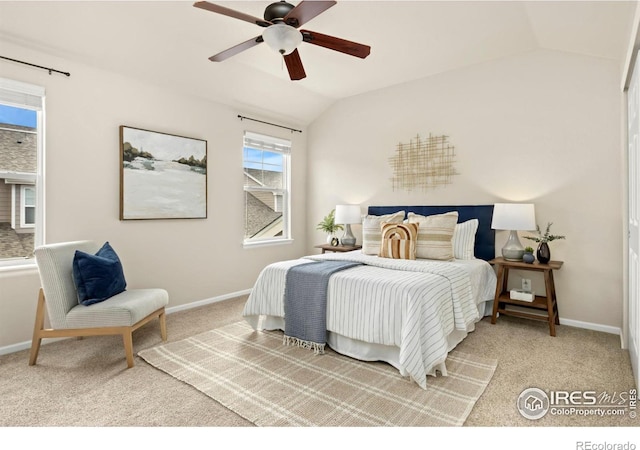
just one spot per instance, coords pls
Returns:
(540, 303)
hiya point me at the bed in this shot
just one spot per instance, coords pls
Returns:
(408, 313)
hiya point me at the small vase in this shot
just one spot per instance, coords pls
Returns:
(528, 257)
(543, 253)
(330, 237)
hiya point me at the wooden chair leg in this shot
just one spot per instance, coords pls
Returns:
(127, 337)
(37, 328)
(163, 325)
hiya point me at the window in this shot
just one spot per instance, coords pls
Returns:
(21, 171)
(266, 188)
(28, 209)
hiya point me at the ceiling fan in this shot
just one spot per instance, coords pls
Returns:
(281, 20)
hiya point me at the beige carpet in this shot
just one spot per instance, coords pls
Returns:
(270, 384)
(86, 383)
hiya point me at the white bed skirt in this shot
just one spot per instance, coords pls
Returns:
(365, 351)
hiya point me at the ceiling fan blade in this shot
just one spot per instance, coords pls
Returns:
(294, 65)
(306, 10)
(231, 13)
(337, 44)
(228, 53)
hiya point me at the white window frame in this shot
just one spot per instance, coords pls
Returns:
(261, 141)
(29, 96)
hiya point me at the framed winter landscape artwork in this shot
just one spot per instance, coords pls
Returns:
(162, 176)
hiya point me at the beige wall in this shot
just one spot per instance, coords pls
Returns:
(553, 117)
(193, 259)
(542, 127)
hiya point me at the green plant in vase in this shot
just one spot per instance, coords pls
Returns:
(528, 255)
(329, 225)
(543, 252)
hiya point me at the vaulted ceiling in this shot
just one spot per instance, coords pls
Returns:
(169, 43)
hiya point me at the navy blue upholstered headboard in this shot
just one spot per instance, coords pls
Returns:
(485, 236)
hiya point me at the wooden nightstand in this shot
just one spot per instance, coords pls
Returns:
(338, 248)
(548, 305)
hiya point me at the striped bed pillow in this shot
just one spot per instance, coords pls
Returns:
(372, 231)
(464, 239)
(399, 240)
(435, 235)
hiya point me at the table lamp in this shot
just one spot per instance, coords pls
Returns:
(346, 215)
(513, 217)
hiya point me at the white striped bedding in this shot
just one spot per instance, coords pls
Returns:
(413, 305)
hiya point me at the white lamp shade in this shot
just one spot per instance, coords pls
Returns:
(514, 216)
(282, 38)
(346, 214)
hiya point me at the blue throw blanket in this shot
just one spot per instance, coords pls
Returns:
(305, 303)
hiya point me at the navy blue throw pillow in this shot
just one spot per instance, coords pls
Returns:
(98, 277)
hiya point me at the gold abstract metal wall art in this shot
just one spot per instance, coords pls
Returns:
(423, 163)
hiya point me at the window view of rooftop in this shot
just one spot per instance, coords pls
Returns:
(265, 189)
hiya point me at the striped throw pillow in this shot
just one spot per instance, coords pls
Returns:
(399, 240)
(435, 235)
(464, 239)
(371, 231)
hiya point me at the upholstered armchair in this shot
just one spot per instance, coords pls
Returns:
(120, 314)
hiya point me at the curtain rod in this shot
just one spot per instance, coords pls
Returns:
(35, 65)
(269, 123)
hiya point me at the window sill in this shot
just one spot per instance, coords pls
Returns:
(267, 243)
(17, 265)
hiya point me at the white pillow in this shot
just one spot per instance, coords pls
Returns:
(464, 239)
(435, 235)
(372, 231)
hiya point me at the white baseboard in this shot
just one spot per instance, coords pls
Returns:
(27, 344)
(207, 301)
(15, 348)
(591, 326)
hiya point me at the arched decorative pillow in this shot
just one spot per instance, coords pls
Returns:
(399, 240)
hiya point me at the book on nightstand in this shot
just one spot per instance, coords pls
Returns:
(524, 296)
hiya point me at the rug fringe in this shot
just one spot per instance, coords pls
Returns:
(317, 348)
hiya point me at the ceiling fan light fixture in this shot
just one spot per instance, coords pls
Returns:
(282, 38)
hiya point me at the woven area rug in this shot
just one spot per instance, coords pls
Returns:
(271, 385)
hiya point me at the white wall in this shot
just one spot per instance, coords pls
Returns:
(193, 259)
(542, 127)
